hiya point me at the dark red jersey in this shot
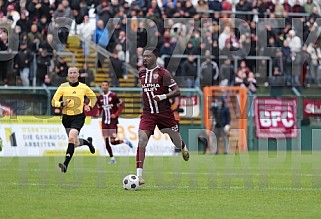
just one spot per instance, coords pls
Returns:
(110, 104)
(156, 81)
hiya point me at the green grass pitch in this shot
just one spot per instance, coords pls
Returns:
(245, 185)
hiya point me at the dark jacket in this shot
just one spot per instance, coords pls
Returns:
(23, 59)
(221, 115)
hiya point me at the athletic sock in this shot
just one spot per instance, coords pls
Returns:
(139, 172)
(140, 157)
(116, 142)
(83, 142)
(184, 146)
(69, 153)
(108, 148)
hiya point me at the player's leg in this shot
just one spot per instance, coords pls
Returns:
(225, 140)
(216, 141)
(146, 129)
(72, 138)
(78, 123)
(177, 140)
(108, 132)
(113, 140)
(143, 137)
(167, 124)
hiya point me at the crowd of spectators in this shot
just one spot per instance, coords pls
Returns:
(202, 31)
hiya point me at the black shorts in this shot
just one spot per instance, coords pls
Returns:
(73, 122)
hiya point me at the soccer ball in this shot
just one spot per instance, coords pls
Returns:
(131, 182)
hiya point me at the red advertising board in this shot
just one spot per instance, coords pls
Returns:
(276, 118)
(311, 107)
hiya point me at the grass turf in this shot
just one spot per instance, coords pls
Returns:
(247, 185)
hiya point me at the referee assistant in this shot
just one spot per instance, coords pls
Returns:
(70, 96)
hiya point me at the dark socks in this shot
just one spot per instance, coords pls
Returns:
(83, 142)
(69, 153)
(108, 148)
(183, 144)
(114, 142)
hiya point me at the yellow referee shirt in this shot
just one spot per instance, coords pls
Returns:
(76, 95)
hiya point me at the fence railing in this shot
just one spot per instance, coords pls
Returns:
(37, 100)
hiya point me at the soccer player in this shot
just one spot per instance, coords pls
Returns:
(111, 107)
(70, 96)
(158, 86)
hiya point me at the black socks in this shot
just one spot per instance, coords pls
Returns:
(69, 153)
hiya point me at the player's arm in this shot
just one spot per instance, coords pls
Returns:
(55, 102)
(172, 85)
(121, 106)
(91, 96)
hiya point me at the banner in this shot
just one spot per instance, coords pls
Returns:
(5, 111)
(190, 106)
(46, 136)
(276, 118)
(311, 107)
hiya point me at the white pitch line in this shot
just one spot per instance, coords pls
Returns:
(166, 187)
(227, 173)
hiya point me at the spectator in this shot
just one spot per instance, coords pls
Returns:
(189, 9)
(165, 49)
(287, 62)
(22, 63)
(189, 71)
(46, 10)
(190, 49)
(116, 68)
(209, 73)
(297, 8)
(314, 71)
(296, 68)
(243, 67)
(202, 6)
(48, 46)
(60, 12)
(252, 85)
(33, 8)
(23, 22)
(214, 5)
(221, 124)
(276, 82)
(4, 46)
(43, 26)
(103, 12)
(86, 30)
(61, 72)
(13, 15)
(43, 63)
(61, 67)
(294, 41)
(34, 37)
(223, 37)
(86, 75)
(287, 7)
(227, 74)
(101, 37)
(120, 52)
(241, 79)
(308, 6)
(279, 9)
(243, 6)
